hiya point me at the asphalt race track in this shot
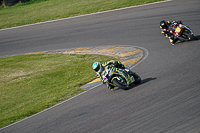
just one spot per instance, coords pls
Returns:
(167, 100)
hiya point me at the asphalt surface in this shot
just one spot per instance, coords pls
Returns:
(167, 100)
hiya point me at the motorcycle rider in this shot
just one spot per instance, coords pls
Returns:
(167, 31)
(99, 68)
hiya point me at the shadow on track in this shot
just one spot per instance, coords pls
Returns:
(142, 82)
(146, 80)
(198, 37)
(194, 39)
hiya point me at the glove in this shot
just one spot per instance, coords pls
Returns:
(104, 79)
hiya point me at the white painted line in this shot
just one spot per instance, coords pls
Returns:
(85, 15)
(143, 58)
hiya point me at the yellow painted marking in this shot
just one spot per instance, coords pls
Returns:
(96, 80)
(111, 49)
(37, 52)
(130, 53)
(78, 49)
(132, 61)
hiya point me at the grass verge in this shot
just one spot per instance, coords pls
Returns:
(44, 10)
(32, 83)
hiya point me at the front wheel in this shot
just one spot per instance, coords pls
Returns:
(120, 84)
(137, 78)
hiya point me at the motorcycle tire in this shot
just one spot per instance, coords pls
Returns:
(137, 78)
(189, 36)
(194, 37)
(118, 84)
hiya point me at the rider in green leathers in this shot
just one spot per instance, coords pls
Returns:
(99, 68)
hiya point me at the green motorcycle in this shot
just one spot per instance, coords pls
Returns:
(120, 77)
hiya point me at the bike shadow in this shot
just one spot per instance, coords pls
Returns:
(143, 81)
(198, 37)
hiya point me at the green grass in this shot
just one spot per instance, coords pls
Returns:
(32, 83)
(44, 10)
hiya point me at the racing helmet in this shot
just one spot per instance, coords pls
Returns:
(163, 24)
(97, 67)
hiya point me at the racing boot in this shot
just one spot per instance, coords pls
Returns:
(171, 41)
(110, 86)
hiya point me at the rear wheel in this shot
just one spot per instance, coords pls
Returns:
(189, 36)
